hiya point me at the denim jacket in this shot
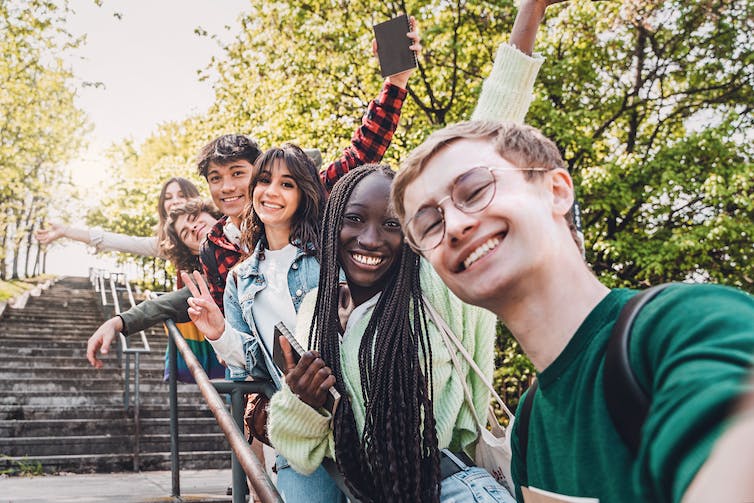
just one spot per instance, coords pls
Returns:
(243, 284)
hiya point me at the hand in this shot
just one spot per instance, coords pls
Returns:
(101, 340)
(202, 308)
(401, 79)
(47, 236)
(309, 379)
(529, 17)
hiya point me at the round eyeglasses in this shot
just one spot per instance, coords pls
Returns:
(471, 192)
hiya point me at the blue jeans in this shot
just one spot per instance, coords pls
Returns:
(294, 487)
(473, 484)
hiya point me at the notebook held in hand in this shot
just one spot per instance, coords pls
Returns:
(393, 46)
(333, 397)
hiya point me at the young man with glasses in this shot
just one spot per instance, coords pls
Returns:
(489, 205)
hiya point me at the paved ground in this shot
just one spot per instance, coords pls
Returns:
(196, 486)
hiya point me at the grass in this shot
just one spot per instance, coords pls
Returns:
(21, 467)
(14, 287)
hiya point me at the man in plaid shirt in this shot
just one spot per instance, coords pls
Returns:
(227, 161)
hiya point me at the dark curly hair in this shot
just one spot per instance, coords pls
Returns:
(172, 246)
(226, 149)
(397, 458)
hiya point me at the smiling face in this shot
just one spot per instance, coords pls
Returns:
(193, 228)
(229, 186)
(275, 197)
(488, 252)
(173, 195)
(370, 238)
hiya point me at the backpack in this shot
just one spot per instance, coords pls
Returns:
(627, 402)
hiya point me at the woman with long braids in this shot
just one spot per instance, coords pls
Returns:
(402, 430)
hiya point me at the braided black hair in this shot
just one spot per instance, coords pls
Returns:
(397, 458)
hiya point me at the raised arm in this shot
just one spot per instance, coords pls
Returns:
(372, 138)
(507, 91)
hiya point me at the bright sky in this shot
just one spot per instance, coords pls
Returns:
(147, 55)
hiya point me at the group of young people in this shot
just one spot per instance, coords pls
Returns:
(370, 266)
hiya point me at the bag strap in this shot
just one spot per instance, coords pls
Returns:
(445, 329)
(627, 401)
(524, 414)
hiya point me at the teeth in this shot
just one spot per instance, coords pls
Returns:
(366, 260)
(230, 199)
(481, 251)
(273, 206)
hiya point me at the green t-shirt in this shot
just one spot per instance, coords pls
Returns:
(691, 347)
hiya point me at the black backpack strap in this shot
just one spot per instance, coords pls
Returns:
(522, 422)
(627, 402)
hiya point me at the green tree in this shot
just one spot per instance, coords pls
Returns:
(650, 103)
(40, 126)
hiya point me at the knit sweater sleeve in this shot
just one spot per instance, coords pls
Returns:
(508, 91)
(301, 434)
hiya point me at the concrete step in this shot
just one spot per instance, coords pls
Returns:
(79, 399)
(108, 463)
(104, 444)
(44, 360)
(79, 373)
(100, 411)
(112, 426)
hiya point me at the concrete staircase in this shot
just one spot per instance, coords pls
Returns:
(58, 412)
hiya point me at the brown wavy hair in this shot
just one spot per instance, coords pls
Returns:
(173, 248)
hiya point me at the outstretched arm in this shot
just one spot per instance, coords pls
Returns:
(507, 92)
(111, 241)
(372, 138)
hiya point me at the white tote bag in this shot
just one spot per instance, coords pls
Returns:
(493, 449)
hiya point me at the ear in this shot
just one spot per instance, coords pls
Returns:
(561, 187)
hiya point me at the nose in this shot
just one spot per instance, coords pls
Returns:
(227, 185)
(458, 224)
(272, 189)
(371, 238)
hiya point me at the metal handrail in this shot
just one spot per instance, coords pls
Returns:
(98, 278)
(262, 484)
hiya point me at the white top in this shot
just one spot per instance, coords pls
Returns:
(273, 303)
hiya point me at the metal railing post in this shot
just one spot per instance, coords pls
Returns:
(262, 484)
(137, 416)
(239, 477)
(175, 465)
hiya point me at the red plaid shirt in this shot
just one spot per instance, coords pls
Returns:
(226, 255)
(372, 138)
(368, 145)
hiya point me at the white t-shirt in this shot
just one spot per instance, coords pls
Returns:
(273, 303)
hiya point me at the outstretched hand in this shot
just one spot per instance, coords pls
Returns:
(309, 379)
(401, 79)
(102, 339)
(202, 308)
(47, 236)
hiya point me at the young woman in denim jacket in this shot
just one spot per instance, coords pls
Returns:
(282, 230)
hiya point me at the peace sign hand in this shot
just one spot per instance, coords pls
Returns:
(202, 308)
